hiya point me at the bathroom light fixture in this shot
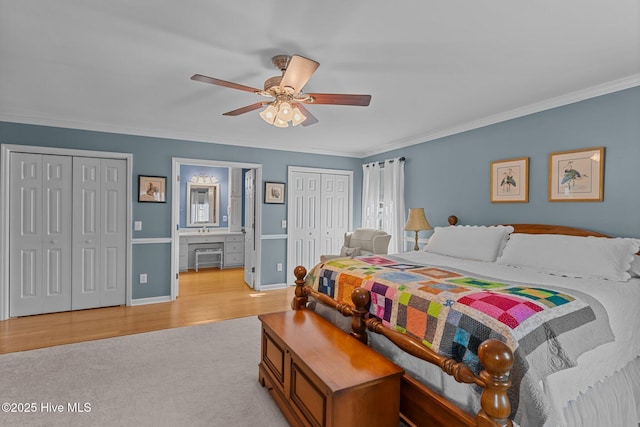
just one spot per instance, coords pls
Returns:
(203, 179)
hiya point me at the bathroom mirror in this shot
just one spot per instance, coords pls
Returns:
(203, 205)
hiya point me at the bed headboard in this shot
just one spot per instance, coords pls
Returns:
(553, 229)
(543, 229)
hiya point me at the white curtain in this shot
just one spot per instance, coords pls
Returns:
(370, 195)
(393, 202)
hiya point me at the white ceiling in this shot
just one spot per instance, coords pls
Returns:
(433, 68)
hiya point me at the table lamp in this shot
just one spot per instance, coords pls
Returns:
(417, 221)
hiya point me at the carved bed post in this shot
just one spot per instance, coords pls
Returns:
(497, 360)
(300, 299)
(360, 298)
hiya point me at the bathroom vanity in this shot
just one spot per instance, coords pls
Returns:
(232, 244)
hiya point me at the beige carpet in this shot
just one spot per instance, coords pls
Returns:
(203, 375)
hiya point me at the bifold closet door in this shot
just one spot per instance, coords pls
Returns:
(335, 212)
(305, 225)
(40, 234)
(319, 206)
(99, 234)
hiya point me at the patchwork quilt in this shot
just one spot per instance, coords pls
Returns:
(453, 312)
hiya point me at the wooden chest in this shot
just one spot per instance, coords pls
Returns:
(321, 376)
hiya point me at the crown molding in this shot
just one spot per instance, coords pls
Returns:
(570, 98)
(40, 120)
(559, 101)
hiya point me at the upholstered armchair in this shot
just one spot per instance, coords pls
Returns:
(362, 241)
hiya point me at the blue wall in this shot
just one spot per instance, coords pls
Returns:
(445, 176)
(221, 174)
(154, 261)
(153, 156)
(451, 175)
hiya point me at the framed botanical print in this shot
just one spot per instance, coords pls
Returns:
(510, 181)
(576, 175)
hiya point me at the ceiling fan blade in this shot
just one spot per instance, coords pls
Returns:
(339, 99)
(298, 72)
(311, 119)
(205, 79)
(246, 109)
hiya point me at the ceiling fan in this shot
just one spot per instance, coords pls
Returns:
(286, 91)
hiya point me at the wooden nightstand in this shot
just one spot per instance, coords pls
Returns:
(320, 376)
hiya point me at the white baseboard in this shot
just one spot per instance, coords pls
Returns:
(152, 300)
(273, 286)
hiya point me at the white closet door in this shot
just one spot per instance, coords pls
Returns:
(305, 225)
(113, 232)
(40, 234)
(86, 233)
(99, 215)
(335, 212)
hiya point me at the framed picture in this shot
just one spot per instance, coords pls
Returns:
(510, 181)
(152, 189)
(274, 192)
(577, 175)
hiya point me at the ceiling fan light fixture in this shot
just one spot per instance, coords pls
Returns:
(285, 112)
(280, 123)
(298, 117)
(269, 114)
(286, 107)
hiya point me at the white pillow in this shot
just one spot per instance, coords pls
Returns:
(478, 242)
(634, 269)
(572, 256)
(345, 251)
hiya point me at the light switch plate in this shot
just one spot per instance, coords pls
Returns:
(137, 226)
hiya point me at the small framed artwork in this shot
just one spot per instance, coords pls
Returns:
(274, 192)
(510, 181)
(576, 175)
(152, 189)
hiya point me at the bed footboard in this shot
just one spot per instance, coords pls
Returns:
(418, 402)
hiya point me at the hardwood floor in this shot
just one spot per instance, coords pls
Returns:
(207, 296)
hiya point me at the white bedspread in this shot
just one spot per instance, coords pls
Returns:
(620, 299)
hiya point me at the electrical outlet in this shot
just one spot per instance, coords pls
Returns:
(279, 266)
(143, 278)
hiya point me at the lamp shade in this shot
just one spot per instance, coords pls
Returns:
(278, 122)
(298, 117)
(269, 114)
(417, 220)
(284, 112)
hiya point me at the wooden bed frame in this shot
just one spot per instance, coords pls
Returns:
(419, 405)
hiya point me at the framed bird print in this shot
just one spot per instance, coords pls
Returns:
(510, 181)
(576, 175)
(152, 189)
(274, 192)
